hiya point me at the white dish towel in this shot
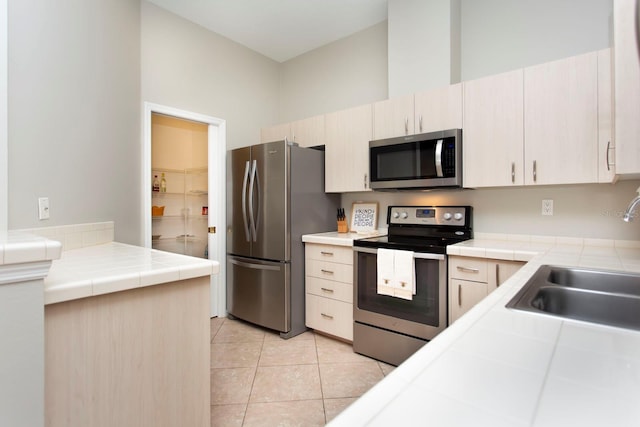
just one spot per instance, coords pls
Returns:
(396, 273)
(404, 273)
(386, 264)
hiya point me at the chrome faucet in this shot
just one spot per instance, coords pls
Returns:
(628, 215)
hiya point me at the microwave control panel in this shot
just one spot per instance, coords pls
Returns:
(429, 215)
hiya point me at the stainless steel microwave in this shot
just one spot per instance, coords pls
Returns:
(415, 162)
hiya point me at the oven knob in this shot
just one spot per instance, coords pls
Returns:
(447, 216)
(404, 215)
(396, 215)
(457, 216)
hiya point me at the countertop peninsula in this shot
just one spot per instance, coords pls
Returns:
(499, 367)
(113, 267)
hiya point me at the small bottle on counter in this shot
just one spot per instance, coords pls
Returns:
(156, 184)
(163, 184)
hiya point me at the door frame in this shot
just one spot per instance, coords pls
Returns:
(217, 148)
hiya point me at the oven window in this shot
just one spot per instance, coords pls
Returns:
(415, 160)
(423, 308)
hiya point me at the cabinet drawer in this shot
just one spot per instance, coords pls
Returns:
(339, 254)
(330, 316)
(468, 269)
(329, 289)
(329, 270)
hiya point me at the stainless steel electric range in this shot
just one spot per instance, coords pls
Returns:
(389, 328)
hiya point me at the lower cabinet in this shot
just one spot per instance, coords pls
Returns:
(472, 279)
(329, 289)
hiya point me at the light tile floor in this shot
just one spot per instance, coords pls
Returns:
(259, 379)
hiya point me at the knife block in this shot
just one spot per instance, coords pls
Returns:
(342, 226)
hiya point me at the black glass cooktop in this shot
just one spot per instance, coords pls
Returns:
(418, 244)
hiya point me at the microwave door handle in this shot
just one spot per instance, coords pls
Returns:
(244, 202)
(439, 158)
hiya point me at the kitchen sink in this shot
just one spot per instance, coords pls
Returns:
(598, 296)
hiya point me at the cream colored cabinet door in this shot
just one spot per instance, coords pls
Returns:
(347, 136)
(463, 295)
(606, 142)
(499, 271)
(393, 117)
(438, 109)
(308, 132)
(493, 132)
(276, 133)
(561, 121)
(627, 88)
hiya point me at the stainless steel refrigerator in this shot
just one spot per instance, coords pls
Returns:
(275, 195)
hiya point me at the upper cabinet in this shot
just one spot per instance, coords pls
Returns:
(561, 121)
(438, 109)
(393, 117)
(427, 111)
(546, 124)
(493, 131)
(606, 141)
(627, 88)
(306, 132)
(347, 136)
(276, 133)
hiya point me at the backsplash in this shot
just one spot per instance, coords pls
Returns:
(77, 236)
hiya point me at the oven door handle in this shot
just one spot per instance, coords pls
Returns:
(416, 255)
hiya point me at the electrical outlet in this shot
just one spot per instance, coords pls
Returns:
(547, 207)
(43, 208)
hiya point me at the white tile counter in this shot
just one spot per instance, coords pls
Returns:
(113, 267)
(339, 239)
(501, 367)
(18, 247)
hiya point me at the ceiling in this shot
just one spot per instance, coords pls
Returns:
(281, 29)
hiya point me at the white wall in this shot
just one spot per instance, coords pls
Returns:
(343, 74)
(3, 118)
(188, 67)
(74, 113)
(593, 211)
(497, 35)
(502, 35)
(424, 45)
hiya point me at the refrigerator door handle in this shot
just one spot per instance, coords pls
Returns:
(254, 232)
(244, 202)
(255, 266)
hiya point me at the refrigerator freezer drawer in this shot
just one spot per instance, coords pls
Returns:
(258, 292)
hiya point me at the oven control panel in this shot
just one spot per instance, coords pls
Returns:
(457, 216)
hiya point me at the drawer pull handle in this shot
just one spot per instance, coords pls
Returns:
(326, 316)
(326, 253)
(468, 269)
(497, 275)
(327, 290)
(459, 295)
(327, 271)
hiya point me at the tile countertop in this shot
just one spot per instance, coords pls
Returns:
(114, 267)
(499, 367)
(18, 248)
(340, 239)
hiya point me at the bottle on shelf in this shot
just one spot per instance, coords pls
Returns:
(156, 184)
(163, 184)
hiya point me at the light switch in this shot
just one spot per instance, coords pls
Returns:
(43, 208)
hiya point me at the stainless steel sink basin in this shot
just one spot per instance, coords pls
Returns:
(598, 296)
(595, 280)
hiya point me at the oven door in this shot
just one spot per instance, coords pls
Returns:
(423, 317)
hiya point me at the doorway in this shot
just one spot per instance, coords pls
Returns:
(187, 177)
